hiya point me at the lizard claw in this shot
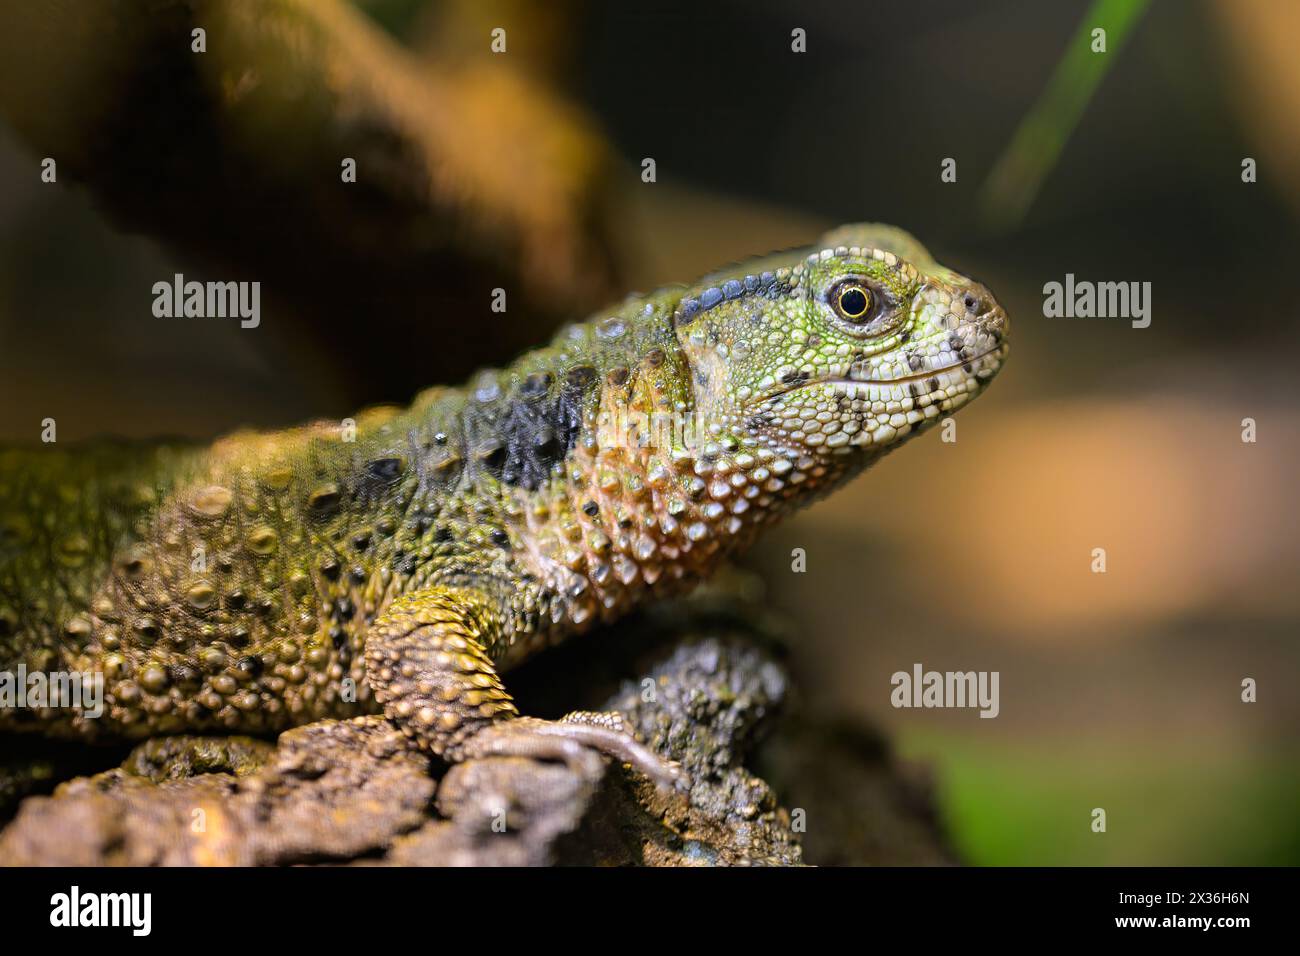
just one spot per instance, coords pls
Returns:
(572, 740)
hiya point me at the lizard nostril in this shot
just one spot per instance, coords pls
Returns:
(973, 303)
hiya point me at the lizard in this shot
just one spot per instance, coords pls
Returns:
(399, 562)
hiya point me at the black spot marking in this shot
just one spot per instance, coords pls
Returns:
(523, 437)
(546, 445)
(384, 469)
(580, 376)
(324, 502)
(183, 675)
(250, 665)
(539, 383)
(495, 458)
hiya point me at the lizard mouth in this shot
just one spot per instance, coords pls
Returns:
(997, 352)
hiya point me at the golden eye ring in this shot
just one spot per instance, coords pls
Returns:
(853, 302)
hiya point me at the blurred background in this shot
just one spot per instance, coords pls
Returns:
(522, 170)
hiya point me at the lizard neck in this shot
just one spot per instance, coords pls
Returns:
(654, 494)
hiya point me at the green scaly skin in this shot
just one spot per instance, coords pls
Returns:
(400, 562)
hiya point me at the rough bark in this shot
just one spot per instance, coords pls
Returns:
(713, 697)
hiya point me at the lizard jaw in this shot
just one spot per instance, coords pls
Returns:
(788, 420)
(996, 353)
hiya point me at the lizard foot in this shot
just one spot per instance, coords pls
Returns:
(572, 740)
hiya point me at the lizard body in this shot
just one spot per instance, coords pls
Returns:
(400, 561)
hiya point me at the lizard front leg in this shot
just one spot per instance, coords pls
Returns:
(427, 663)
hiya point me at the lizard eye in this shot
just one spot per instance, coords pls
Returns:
(852, 302)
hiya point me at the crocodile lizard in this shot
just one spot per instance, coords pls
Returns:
(397, 562)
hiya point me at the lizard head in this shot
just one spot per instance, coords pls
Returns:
(838, 353)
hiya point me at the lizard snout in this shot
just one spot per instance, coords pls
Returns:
(983, 311)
